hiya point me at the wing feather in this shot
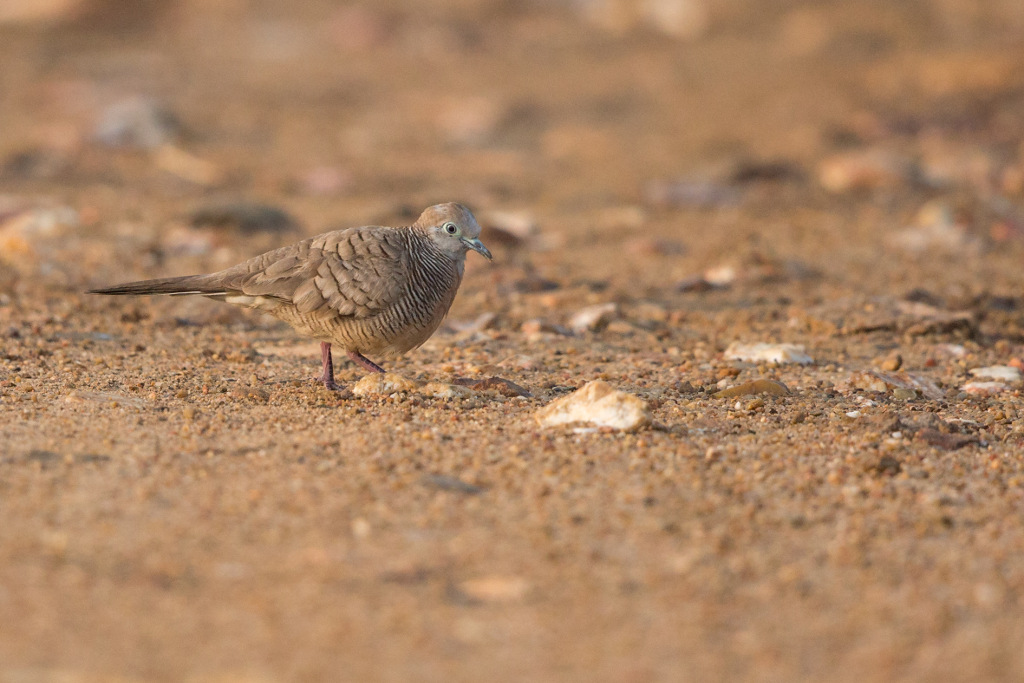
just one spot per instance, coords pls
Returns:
(352, 273)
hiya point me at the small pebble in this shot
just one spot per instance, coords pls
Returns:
(538, 326)
(383, 384)
(498, 384)
(757, 386)
(446, 482)
(892, 363)
(935, 228)
(443, 390)
(188, 166)
(519, 362)
(861, 170)
(250, 394)
(593, 318)
(888, 465)
(360, 527)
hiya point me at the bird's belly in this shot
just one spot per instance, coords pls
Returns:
(382, 336)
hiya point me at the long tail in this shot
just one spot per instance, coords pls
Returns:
(180, 286)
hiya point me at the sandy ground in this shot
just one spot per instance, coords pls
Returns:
(178, 501)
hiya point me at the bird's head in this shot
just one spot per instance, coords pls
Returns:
(453, 229)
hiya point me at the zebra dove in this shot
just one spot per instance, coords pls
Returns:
(371, 290)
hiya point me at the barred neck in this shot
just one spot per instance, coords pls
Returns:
(431, 268)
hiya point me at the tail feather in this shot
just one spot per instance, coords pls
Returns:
(190, 284)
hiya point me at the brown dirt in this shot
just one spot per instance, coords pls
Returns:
(179, 502)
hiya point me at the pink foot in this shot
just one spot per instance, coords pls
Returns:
(363, 361)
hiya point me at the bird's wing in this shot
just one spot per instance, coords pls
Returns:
(356, 272)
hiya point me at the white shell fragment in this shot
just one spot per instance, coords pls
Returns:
(596, 403)
(1000, 373)
(762, 352)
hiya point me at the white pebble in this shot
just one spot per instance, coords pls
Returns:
(1002, 373)
(593, 318)
(984, 388)
(770, 353)
(597, 403)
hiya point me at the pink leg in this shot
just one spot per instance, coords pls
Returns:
(364, 361)
(327, 376)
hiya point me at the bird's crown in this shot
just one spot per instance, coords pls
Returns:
(439, 214)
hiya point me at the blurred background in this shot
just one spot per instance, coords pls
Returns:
(672, 135)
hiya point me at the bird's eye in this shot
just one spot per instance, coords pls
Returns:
(450, 228)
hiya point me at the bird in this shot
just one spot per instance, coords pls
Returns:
(372, 290)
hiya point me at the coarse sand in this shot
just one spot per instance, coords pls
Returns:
(180, 501)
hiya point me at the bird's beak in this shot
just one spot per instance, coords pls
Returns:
(478, 246)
